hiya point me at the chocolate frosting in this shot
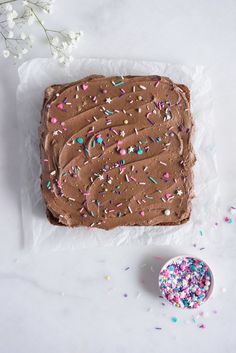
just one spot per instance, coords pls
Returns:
(117, 151)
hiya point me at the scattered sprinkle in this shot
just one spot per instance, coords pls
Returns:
(229, 220)
(174, 319)
(152, 180)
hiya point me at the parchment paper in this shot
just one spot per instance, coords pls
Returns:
(35, 76)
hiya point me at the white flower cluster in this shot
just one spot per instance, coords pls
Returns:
(62, 45)
(16, 40)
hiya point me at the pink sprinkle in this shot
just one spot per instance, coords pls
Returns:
(142, 213)
(62, 123)
(60, 106)
(84, 86)
(53, 120)
(119, 142)
(202, 326)
(122, 151)
(168, 196)
(166, 175)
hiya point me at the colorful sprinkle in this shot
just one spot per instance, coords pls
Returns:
(139, 151)
(80, 140)
(152, 180)
(117, 83)
(53, 120)
(229, 220)
(84, 86)
(166, 176)
(60, 106)
(130, 149)
(233, 210)
(122, 151)
(99, 139)
(108, 100)
(174, 319)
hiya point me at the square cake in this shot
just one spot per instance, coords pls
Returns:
(116, 151)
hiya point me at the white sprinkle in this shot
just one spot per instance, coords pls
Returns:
(163, 163)
(142, 87)
(130, 209)
(167, 212)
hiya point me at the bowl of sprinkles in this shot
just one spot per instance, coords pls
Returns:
(186, 282)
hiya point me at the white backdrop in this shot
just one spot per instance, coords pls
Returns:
(60, 302)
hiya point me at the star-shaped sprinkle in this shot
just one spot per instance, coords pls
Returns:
(179, 192)
(130, 149)
(108, 100)
(100, 177)
(122, 133)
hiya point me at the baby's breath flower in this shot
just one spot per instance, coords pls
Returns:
(23, 36)
(55, 55)
(24, 51)
(61, 59)
(5, 53)
(25, 3)
(64, 45)
(72, 34)
(14, 14)
(31, 20)
(55, 41)
(8, 7)
(10, 34)
(10, 23)
(31, 38)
